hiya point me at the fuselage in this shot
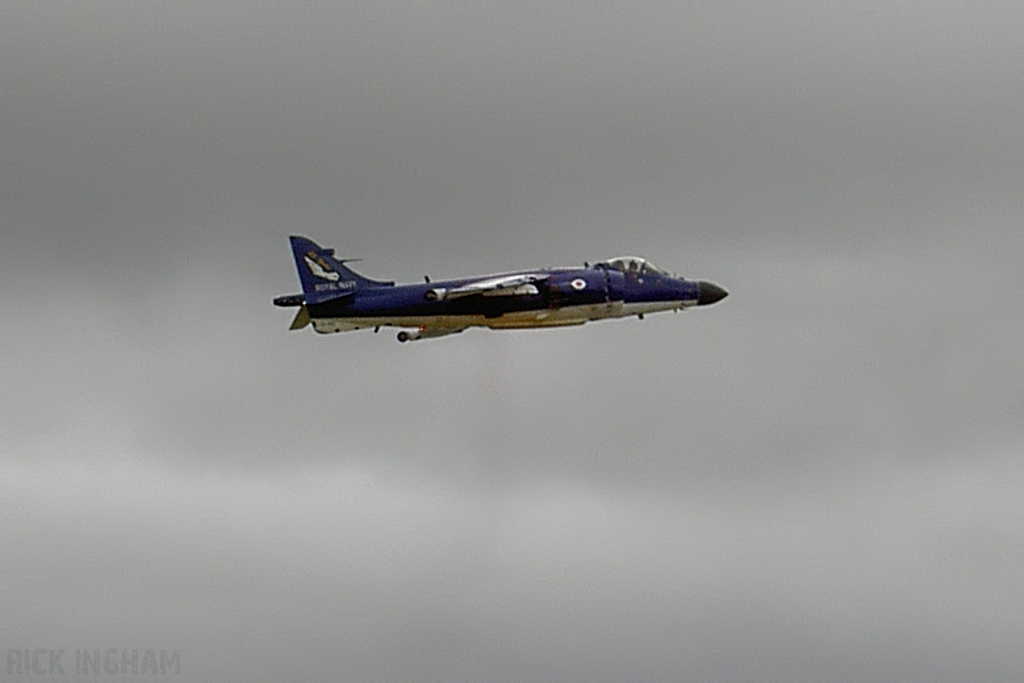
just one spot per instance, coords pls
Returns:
(570, 297)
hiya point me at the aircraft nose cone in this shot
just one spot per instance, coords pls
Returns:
(708, 293)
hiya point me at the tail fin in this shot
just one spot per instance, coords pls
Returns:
(324, 277)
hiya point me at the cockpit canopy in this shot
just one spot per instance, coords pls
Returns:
(634, 265)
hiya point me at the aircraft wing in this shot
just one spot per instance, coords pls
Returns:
(523, 284)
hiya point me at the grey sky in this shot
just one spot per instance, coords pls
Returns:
(817, 479)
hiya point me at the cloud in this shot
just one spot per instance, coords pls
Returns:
(813, 479)
(401, 575)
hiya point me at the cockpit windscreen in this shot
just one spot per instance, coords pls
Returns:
(634, 265)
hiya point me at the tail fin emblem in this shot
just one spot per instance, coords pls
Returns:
(319, 267)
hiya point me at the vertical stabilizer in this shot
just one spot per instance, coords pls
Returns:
(324, 277)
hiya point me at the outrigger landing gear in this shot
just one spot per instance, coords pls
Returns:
(427, 333)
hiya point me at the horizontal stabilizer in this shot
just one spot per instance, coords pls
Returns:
(301, 319)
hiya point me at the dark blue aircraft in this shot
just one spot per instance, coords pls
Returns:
(336, 299)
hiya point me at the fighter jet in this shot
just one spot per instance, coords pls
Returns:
(337, 299)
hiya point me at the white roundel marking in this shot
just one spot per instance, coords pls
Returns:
(578, 284)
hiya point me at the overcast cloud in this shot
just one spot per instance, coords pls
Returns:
(817, 479)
